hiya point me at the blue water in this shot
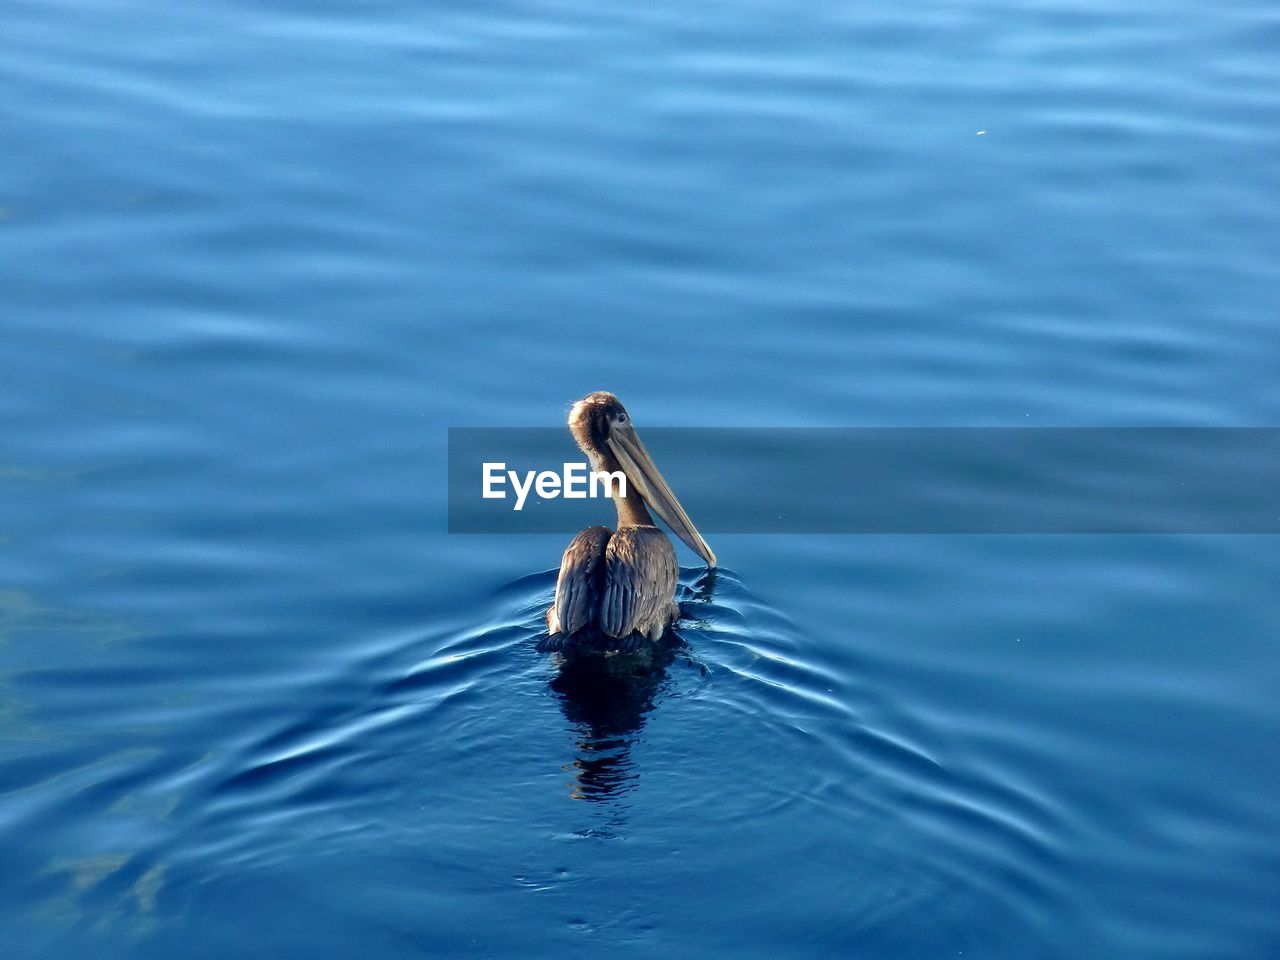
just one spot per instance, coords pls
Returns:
(256, 259)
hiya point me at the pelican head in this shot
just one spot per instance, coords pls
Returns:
(603, 429)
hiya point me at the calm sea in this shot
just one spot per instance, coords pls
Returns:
(256, 259)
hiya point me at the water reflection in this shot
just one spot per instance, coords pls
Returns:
(606, 700)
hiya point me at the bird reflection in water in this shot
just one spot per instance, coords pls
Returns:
(607, 698)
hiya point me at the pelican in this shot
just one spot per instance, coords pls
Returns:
(617, 588)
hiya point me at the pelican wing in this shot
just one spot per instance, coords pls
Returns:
(581, 581)
(639, 582)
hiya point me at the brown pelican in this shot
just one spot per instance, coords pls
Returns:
(617, 588)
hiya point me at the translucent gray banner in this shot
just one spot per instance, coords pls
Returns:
(899, 480)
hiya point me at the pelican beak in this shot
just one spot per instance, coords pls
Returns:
(643, 474)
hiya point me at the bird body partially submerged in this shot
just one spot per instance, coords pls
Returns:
(616, 589)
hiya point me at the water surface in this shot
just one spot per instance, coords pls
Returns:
(254, 700)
